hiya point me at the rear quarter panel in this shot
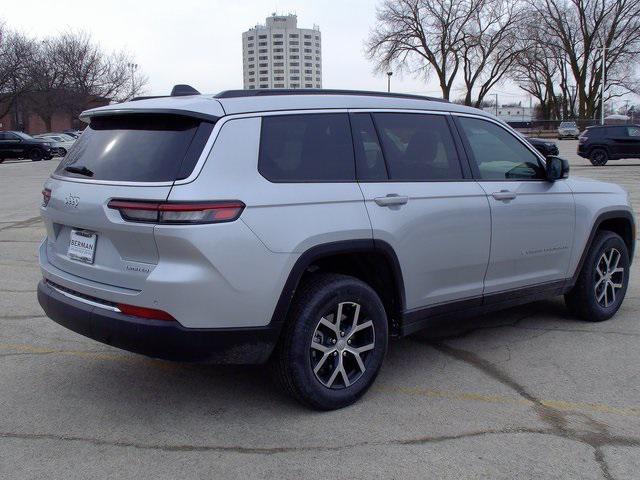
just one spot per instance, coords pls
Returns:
(237, 271)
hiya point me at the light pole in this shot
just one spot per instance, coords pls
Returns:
(133, 67)
(602, 83)
(389, 81)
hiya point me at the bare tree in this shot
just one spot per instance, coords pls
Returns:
(422, 36)
(15, 54)
(581, 28)
(91, 73)
(490, 47)
(48, 81)
(538, 65)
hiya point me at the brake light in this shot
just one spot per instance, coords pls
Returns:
(142, 312)
(178, 213)
(46, 196)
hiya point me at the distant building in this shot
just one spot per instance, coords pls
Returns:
(23, 114)
(511, 114)
(281, 55)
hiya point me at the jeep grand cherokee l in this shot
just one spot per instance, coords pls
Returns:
(306, 228)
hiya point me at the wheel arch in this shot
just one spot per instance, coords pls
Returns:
(600, 146)
(617, 221)
(359, 258)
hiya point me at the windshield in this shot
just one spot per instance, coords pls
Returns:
(137, 148)
(568, 124)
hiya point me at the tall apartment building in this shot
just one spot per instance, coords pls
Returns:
(281, 55)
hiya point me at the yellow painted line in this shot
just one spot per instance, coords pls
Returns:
(505, 400)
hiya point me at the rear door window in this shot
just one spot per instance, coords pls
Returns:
(418, 147)
(306, 148)
(137, 148)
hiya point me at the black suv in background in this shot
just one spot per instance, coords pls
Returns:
(544, 146)
(609, 142)
(20, 145)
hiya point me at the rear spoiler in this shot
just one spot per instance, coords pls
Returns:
(86, 116)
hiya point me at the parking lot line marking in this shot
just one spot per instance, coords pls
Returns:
(506, 400)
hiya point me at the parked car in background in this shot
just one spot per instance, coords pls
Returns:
(60, 142)
(20, 145)
(568, 130)
(73, 133)
(602, 143)
(544, 146)
(308, 228)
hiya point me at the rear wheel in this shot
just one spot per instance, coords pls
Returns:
(599, 157)
(62, 152)
(602, 282)
(36, 155)
(334, 342)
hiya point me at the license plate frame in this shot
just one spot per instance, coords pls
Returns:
(82, 246)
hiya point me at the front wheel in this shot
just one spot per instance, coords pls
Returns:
(599, 157)
(333, 343)
(62, 152)
(603, 280)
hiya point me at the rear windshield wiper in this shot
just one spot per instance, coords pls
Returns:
(79, 170)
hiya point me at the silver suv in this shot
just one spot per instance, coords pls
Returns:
(568, 130)
(306, 228)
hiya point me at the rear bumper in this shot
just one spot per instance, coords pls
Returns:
(158, 338)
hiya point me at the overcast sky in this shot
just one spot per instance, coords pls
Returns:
(199, 42)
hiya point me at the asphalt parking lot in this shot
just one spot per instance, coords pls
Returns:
(526, 393)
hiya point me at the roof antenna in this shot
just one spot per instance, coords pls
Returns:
(183, 90)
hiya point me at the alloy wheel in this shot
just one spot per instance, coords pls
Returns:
(599, 158)
(340, 347)
(610, 277)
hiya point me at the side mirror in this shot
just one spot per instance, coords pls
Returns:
(557, 168)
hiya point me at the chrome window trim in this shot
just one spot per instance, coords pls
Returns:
(206, 151)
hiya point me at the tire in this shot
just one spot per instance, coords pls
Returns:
(588, 299)
(599, 157)
(62, 152)
(315, 306)
(35, 155)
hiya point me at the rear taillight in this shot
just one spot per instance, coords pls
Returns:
(178, 213)
(142, 312)
(582, 139)
(46, 196)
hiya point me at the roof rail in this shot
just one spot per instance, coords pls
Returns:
(314, 91)
(147, 97)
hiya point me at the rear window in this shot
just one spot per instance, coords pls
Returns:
(137, 148)
(306, 148)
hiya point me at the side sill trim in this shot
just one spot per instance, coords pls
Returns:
(416, 320)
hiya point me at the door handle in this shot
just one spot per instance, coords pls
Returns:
(504, 195)
(391, 200)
